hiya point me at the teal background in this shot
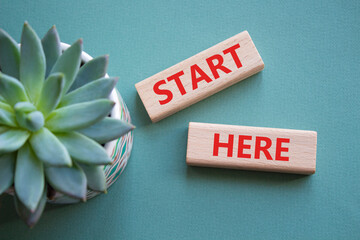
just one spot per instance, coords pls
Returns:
(311, 81)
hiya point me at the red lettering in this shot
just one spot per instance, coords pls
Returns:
(243, 146)
(232, 51)
(203, 76)
(280, 149)
(264, 149)
(166, 92)
(228, 145)
(218, 66)
(176, 77)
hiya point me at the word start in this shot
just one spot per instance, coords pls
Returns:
(197, 74)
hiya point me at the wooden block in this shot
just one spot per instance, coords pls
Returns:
(199, 76)
(251, 148)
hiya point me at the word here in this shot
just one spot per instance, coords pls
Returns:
(251, 148)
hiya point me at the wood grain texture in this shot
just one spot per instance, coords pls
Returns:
(240, 60)
(291, 151)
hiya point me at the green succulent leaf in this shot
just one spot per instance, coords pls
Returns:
(107, 129)
(68, 64)
(28, 117)
(9, 55)
(12, 90)
(79, 115)
(95, 176)
(51, 93)
(5, 106)
(29, 178)
(97, 89)
(2, 99)
(12, 139)
(29, 217)
(7, 118)
(49, 149)
(7, 166)
(32, 62)
(84, 149)
(92, 70)
(52, 49)
(68, 180)
(25, 107)
(35, 121)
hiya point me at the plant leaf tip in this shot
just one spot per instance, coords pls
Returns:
(32, 209)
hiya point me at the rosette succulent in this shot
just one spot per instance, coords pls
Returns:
(53, 120)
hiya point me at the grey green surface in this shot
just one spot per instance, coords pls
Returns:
(310, 81)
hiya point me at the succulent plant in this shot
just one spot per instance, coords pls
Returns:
(53, 120)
